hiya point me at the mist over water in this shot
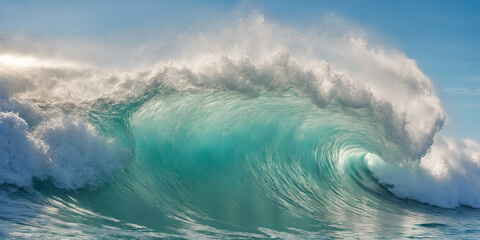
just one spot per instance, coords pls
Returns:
(249, 130)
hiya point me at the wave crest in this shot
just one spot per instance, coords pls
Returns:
(76, 116)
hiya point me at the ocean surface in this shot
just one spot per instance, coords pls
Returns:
(309, 137)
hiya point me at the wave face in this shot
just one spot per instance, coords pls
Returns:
(248, 135)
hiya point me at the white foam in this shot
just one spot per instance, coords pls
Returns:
(20, 157)
(448, 176)
(76, 154)
(67, 151)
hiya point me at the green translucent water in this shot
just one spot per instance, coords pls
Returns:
(219, 164)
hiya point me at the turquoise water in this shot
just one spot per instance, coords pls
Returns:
(222, 164)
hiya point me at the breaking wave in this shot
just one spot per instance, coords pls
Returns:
(249, 132)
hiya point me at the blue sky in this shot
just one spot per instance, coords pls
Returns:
(442, 36)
